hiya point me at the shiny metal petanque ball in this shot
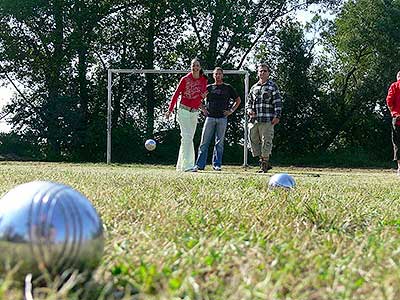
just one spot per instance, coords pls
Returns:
(282, 180)
(47, 226)
(150, 144)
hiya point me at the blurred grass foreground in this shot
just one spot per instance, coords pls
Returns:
(225, 235)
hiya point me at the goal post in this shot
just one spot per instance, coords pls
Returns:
(153, 71)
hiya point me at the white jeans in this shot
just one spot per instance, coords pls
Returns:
(187, 122)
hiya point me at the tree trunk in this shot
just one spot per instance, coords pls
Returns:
(149, 64)
(82, 41)
(211, 54)
(53, 83)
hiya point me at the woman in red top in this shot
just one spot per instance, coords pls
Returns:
(393, 102)
(192, 88)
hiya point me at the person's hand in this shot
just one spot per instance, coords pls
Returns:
(227, 113)
(204, 95)
(252, 114)
(204, 111)
(275, 121)
(167, 114)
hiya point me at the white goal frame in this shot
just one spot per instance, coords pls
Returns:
(152, 71)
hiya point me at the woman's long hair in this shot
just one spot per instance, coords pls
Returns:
(201, 71)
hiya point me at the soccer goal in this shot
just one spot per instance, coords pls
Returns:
(151, 71)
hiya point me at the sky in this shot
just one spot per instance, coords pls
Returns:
(7, 91)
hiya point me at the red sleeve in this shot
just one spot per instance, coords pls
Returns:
(175, 96)
(390, 100)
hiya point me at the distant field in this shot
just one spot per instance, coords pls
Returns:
(224, 235)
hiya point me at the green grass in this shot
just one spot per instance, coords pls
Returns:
(224, 235)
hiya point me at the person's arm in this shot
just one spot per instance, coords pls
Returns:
(233, 108)
(174, 99)
(236, 104)
(277, 103)
(203, 106)
(204, 91)
(235, 96)
(250, 104)
(390, 99)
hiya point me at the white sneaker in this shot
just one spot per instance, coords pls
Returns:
(192, 169)
(398, 172)
(217, 168)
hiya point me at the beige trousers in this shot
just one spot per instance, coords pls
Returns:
(261, 136)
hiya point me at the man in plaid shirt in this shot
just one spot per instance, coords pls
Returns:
(264, 108)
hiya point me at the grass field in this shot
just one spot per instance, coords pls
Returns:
(224, 235)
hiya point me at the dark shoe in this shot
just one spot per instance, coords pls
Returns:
(264, 167)
(261, 170)
(261, 165)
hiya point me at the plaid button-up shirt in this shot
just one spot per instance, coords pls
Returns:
(265, 100)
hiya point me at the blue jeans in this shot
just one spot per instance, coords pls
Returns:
(217, 127)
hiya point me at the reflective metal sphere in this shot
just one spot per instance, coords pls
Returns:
(150, 144)
(282, 180)
(49, 226)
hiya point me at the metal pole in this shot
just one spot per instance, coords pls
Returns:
(109, 114)
(152, 71)
(246, 95)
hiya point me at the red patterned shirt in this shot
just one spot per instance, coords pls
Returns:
(190, 89)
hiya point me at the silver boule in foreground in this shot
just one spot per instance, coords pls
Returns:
(282, 180)
(47, 226)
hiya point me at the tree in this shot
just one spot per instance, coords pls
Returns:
(298, 132)
(32, 35)
(363, 47)
(45, 46)
(142, 35)
(228, 31)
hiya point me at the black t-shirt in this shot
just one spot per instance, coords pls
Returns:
(219, 98)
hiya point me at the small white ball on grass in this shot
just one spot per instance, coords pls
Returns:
(150, 144)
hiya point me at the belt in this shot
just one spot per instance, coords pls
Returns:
(188, 108)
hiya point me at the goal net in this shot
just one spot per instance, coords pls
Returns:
(114, 73)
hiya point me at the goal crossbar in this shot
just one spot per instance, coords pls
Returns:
(166, 71)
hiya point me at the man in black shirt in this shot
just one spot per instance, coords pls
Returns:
(218, 108)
